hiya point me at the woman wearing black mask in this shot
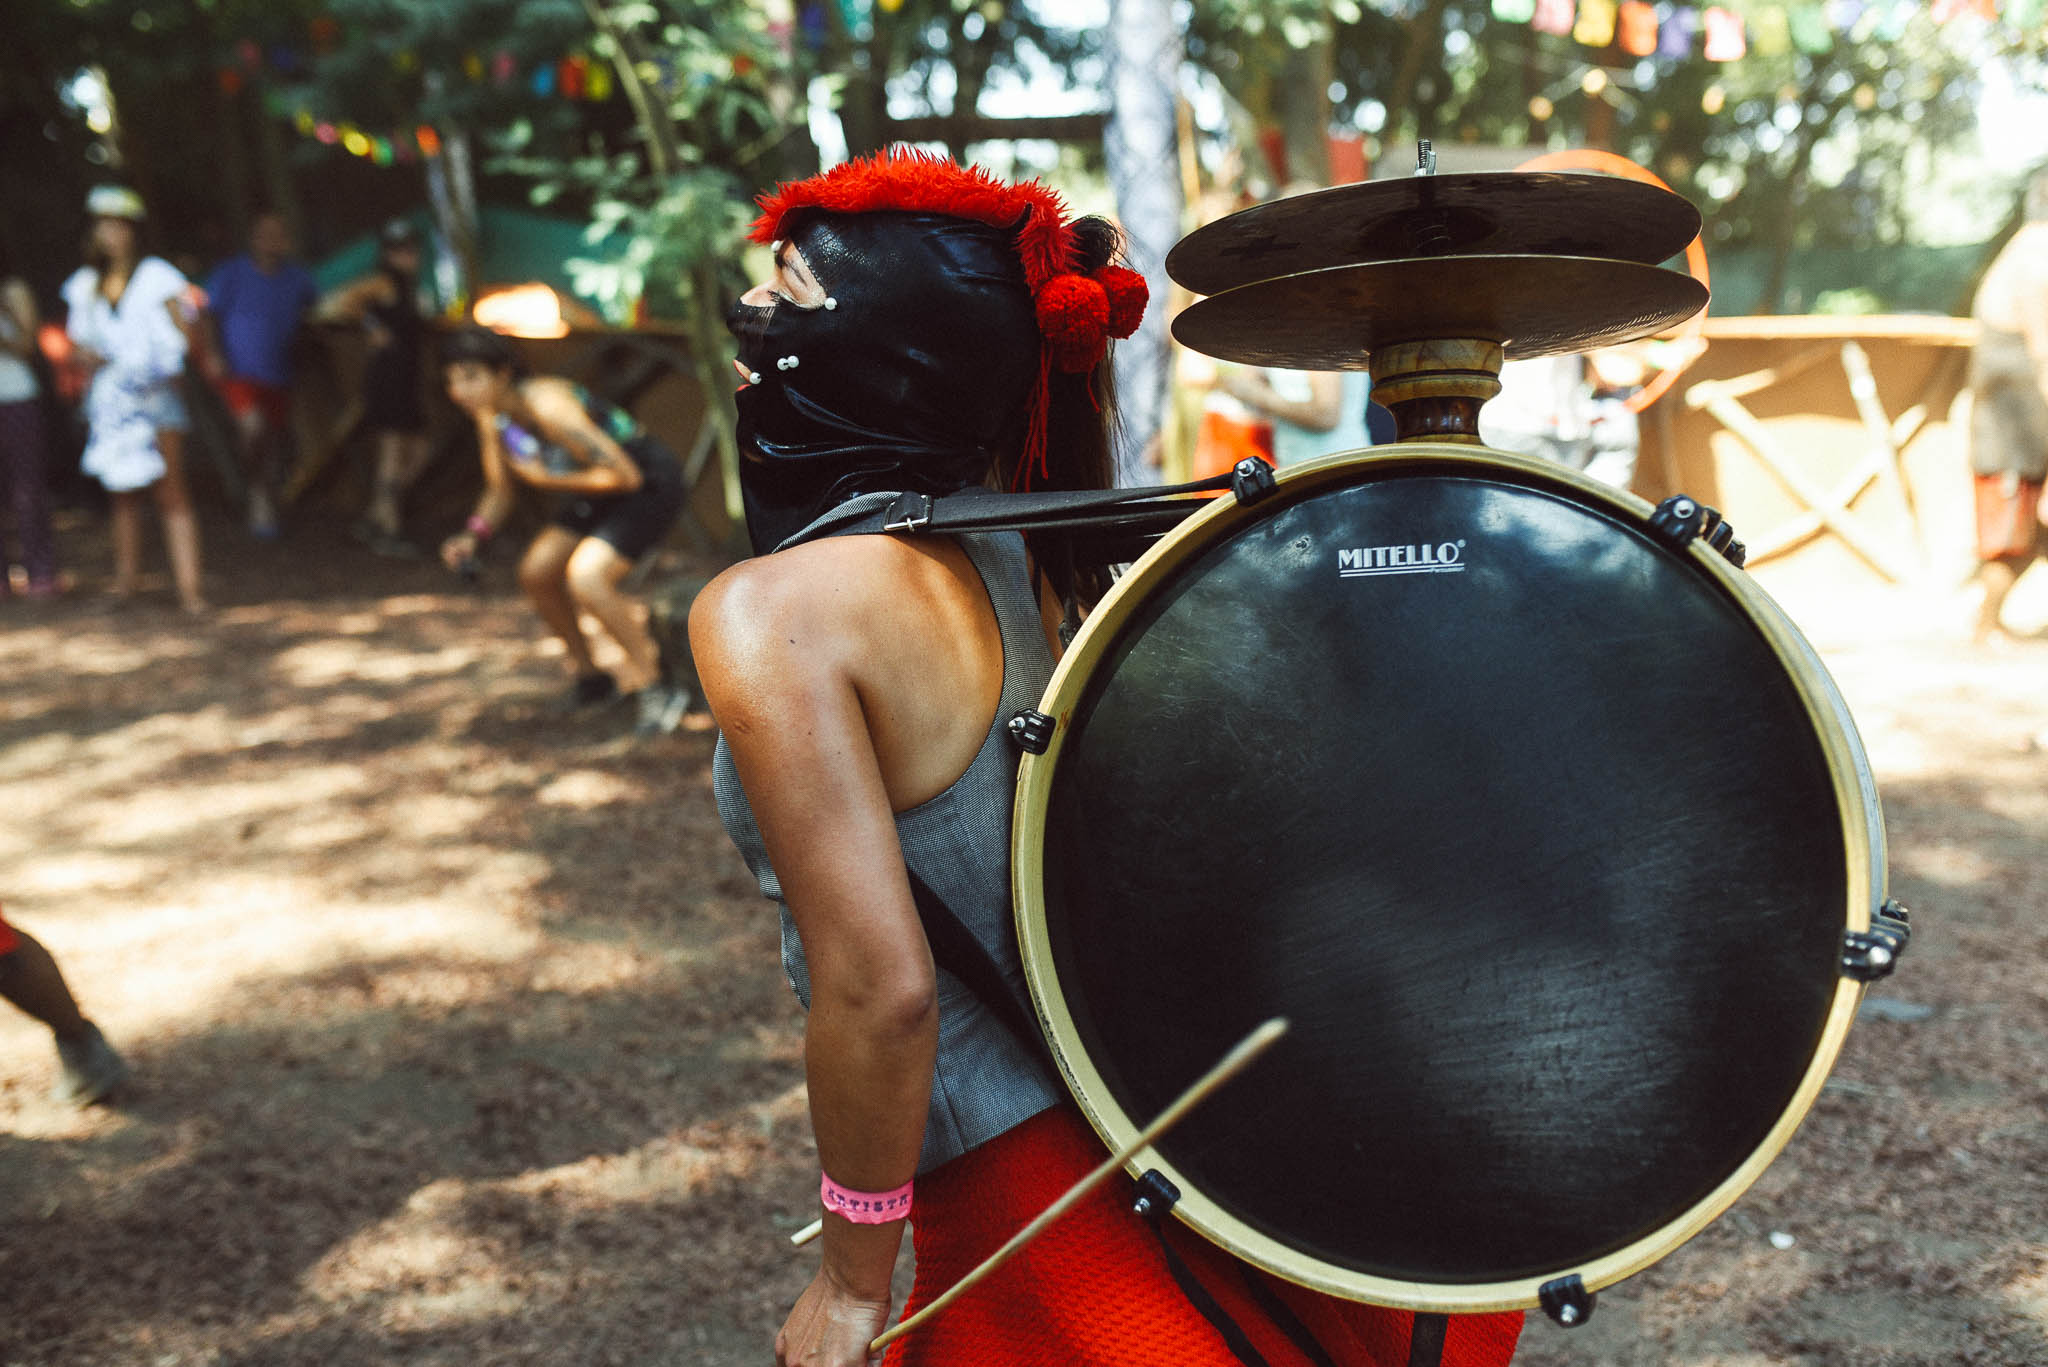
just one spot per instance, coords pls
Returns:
(928, 329)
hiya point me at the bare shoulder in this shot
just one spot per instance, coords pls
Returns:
(775, 620)
(551, 396)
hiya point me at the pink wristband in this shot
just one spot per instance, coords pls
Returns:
(479, 528)
(864, 1207)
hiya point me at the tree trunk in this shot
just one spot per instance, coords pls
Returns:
(1140, 147)
(1303, 107)
(1791, 202)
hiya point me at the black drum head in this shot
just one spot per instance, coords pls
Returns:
(1519, 818)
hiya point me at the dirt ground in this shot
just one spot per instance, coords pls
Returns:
(459, 1036)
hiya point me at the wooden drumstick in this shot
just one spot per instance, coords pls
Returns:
(1228, 1067)
(1231, 1064)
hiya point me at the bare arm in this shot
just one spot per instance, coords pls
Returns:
(497, 500)
(20, 304)
(1319, 412)
(351, 303)
(781, 670)
(610, 469)
(2032, 309)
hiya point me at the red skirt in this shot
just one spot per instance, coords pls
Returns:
(1095, 1288)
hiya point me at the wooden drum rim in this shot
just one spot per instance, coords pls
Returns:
(1855, 800)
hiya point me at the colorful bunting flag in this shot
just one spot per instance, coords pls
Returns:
(1514, 11)
(1638, 28)
(1724, 35)
(1675, 34)
(1595, 27)
(1810, 31)
(1770, 34)
(1554, 16)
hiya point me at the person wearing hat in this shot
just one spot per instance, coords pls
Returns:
(931, 329)
(130, 318)
(386, 303)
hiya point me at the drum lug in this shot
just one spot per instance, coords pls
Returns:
(1679, 520)
(1566, 1300)
(1156, 1195)
(1868, 955)
(1032, 730)
(1251, 481)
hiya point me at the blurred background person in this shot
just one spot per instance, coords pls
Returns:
(256, 302)
(2009, 408)
(386, 303)
(127, 317)
(621, 491)
(1311, 412)
(24, 445)
(88, 1069)
(1571, 409)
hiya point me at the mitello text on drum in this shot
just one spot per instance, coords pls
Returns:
(1444, 557)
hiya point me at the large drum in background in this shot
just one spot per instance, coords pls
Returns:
(1545, 834)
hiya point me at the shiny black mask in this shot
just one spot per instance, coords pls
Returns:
(918, 378)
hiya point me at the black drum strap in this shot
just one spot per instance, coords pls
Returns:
(1426, 1339)
(955, 949)
(1205, 1304)
(1285, 1320)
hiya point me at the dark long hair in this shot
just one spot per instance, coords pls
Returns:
(491, 350)
(1080, 434)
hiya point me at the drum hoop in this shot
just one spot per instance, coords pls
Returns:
(1084, 1081)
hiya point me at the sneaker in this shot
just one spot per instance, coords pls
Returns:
(660, 709)
(89, 1069)
(590, 690)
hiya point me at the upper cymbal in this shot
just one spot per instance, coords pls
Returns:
(1502, 213)
(1532, 305)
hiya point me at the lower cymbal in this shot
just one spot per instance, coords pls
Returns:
(1532, 305)
(1528, 213)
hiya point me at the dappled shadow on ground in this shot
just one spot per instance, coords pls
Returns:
(460, 1036)
(457, 1027)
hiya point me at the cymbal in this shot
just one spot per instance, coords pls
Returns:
(1498, 213)
(1532, 305)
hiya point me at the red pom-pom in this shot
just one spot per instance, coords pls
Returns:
(1073, 316)
(1127, 297)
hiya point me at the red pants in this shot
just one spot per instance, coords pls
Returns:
(1095, 1289)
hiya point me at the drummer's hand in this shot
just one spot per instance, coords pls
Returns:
(459, 550)
(831, 1327)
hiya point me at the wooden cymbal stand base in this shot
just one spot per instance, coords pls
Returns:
(1435, 388)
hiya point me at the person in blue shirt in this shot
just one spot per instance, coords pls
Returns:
(257, 301)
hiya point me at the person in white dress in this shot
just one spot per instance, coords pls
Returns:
(130, 316)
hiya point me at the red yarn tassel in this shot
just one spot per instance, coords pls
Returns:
(1034, 436)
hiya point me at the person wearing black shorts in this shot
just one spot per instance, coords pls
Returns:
(386, 304)
(618, 489)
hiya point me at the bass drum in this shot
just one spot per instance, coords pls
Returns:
(1545, 836)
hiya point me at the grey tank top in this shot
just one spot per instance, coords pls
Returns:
(986, 1080)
